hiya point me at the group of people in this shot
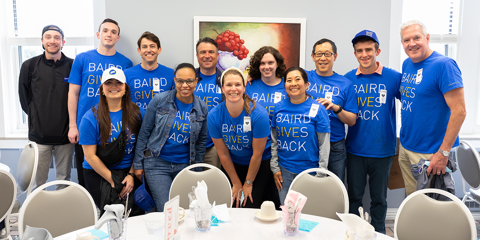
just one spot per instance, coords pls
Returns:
(148, 122)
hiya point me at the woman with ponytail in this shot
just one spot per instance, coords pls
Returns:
(107, 134)
(240, 128)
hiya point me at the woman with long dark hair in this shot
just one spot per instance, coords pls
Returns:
(173, 134)
(239, 130)
(107, 134)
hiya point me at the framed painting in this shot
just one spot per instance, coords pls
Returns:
(240, 37)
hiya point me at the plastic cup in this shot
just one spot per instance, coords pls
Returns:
(203, 218)
(123, 235)
(154, 223)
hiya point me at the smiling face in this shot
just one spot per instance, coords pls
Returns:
(108, 34)
(323, 64)
(52, 41)
(268, 66)
(112, 89)
(149, 51)
(415, 43)
(366, 55)
(185, 83)
(295, 85)
(207, 55)
(233, 87)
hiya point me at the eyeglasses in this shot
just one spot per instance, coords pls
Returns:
(187, 81)
(326, 54)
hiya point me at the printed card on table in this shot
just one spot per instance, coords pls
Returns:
(170, 210)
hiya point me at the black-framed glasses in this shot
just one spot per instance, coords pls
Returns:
(326, 54)
(187, 81)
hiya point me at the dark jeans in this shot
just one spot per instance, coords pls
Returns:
(337, 159)
(378, 170)
(261, 184)
(93, 185)
(79, 158)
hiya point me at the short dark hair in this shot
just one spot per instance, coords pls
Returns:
(110, 21)
(150, 36)
(184, 65)
(301, 70)
(254, 71)
(324, 40)
(206, 40)
(366, 39)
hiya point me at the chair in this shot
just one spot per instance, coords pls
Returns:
(26, 172)
(219, 188)
(8, 187)
(326, 195)
(468, 162)
(59, 212)
(421, 217)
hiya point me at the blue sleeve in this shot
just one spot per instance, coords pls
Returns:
(322, 123)
(76, 71)
(351, 99)
(398, 82)
(451, 77)
(260, 123)
(89, 132)
(213, 125)
(147, 126)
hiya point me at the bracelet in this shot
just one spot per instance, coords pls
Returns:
(339, 110)
(248, 182)
(131, 174)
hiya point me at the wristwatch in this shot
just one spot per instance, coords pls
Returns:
(248, 182)
(339, 109)
(444, 153)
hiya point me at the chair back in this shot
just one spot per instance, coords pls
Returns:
(468, 164)
(219, 188)
(8, 187)
(59, 212)
(326, 195)
(27, 167)
(421, 217)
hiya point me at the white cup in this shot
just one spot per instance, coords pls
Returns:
(86, 236)
(154, 222)
(267, 210)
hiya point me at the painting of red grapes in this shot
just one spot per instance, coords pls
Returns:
(239, 38)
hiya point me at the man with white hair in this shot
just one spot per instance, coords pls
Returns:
(433, 104)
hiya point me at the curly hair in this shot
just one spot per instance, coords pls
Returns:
(254, 69)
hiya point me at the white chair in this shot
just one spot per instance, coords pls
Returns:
(421, 217)
(219, 189)
(26, 172)
(468, 162)
(59, 212)
(326, 195)
(8, 188)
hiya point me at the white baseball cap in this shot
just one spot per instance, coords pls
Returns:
(114, 73)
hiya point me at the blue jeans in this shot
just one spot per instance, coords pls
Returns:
(159, 174)
(287, 177)
(337, 159)
(378, 170)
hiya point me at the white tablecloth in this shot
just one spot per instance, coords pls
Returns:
(4, 167)
(243, 226)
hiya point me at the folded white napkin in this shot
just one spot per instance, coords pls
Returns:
(201, 194)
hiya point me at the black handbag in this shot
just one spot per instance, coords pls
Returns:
(112, 154)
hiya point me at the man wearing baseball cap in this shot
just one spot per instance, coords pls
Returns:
(371, 142)
(43, 94)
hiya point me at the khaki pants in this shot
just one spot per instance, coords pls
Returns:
(63, 155)
(405, 159)
(211, 157)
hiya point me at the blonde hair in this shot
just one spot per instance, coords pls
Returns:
(247, 99)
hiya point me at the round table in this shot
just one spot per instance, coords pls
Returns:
(243, 225)
(4, 167)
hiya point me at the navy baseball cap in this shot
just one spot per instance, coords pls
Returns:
(367, 34)
(54, 28)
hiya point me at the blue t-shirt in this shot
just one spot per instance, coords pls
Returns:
(177, 146)
(265, 94)
(239, 142)
(210, 93)
(343, 94)
(425, 112)
(141, 83)
(296, 134)
(89, 134)
(374, 133)
(87, 71)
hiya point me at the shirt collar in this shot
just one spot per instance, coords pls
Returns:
(379, 69)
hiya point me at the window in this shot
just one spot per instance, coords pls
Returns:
(20, 35)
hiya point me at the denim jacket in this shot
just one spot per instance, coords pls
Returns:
(157, 124)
